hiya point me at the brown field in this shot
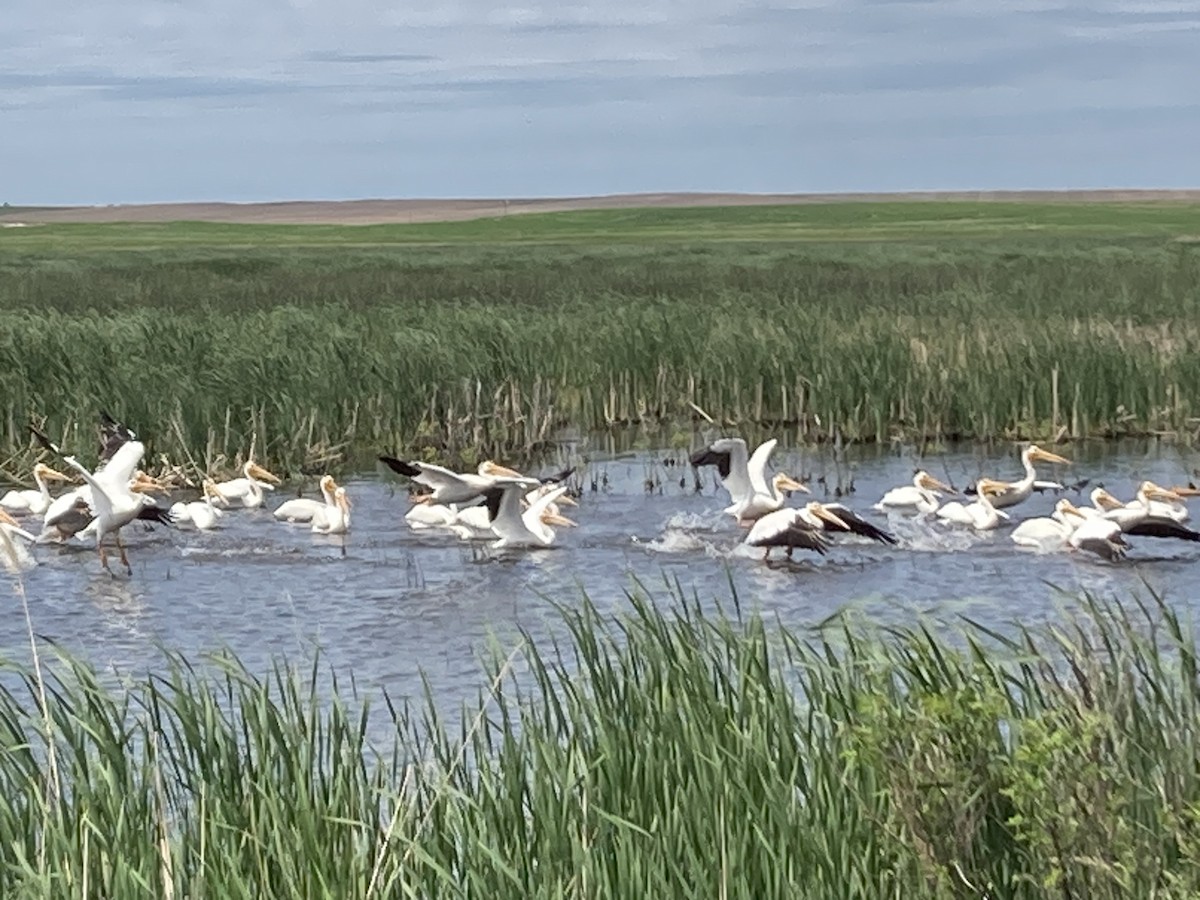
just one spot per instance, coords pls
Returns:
(374, 212)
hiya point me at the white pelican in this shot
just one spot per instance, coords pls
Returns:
(302, 509)
(34, 502)
(1050, 532)
(793, 527)
(982, 514)
(114, 503)
(1139, 517)
(423, 515)
(473, 523)
(14, 555)
(1172, 509)
(203, 513)
(515, 528)
(455, 487)
(922, 496)
(771, 498)
(246, 491)
(1013, 492)
(1100, 536)
(742, 475)
(335, 520)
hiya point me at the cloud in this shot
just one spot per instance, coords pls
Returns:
(120, 99)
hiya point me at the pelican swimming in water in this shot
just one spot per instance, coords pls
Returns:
(247, 491)
(335, 519)
(981, 514)
(303, 509)
(1013, 492)
(1141, 518)
(203, 513)
(922, 496)
(37, 501)
(456, 487)
(1049, 532)
(517, 528)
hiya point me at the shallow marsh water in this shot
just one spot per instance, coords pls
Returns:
(386, 603)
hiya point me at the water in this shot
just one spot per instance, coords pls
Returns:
(387, 603)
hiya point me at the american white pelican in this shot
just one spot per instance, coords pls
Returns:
(473, 523)
(423, 515)
(1100, 536)
(335, 520)
(1173, 509)
(515, 528)
(793, 527)
(203, 513)
(1139, 517)
(982, 514)
(1013, 492)
(922, 496)
(246, 491)
(14, 555)
(742, 475)
(1050, 532)
(759, 503)
(302, 509)
(114, 504)
(455, 487)
(34, 502)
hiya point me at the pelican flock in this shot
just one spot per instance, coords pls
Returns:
(510, 510)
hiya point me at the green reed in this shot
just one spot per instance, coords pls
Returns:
(322, 356)
(660, 752)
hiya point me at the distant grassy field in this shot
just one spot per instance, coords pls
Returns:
(809, 222)
(884, 321)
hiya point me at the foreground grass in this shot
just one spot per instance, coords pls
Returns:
(879, 321)
(665, 753)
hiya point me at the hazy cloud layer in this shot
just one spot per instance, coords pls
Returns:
(138, 100)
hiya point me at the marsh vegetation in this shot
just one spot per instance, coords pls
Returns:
(878, 322)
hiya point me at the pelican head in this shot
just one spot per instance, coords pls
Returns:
(1034, 453)
(43, 471)
(1102, 499)
(990, 486)
(1152, 491)
(258, 473)
(1067, 508)
(328, 486)
(550, 517)
(784, 482)
(342, 499)
(927, 482)
(822, 513)
(144, 484)
(495, 470)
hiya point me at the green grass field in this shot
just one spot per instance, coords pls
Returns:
(882, 321)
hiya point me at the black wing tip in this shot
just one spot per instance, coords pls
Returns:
(400, 466)
(558, 477)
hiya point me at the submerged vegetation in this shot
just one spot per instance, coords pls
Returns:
(323, 344)
(654, 754)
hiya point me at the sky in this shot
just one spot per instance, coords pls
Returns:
(124, 101)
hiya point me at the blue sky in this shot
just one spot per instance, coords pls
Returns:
(155, 100)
